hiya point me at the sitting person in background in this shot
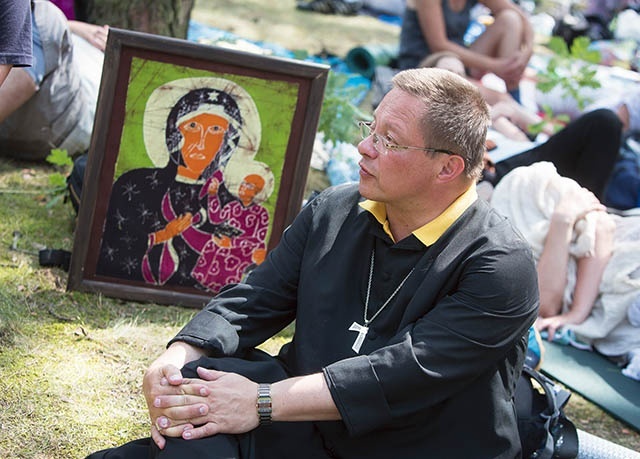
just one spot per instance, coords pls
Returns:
(508, 116)
(599, 150)
(15, 37)
(588, 260)
(48, 105)
(96, 35)
(586, 151)
(504, 48)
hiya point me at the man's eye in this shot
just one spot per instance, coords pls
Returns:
(388, 142)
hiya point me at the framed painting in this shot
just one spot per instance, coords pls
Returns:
(198, 162)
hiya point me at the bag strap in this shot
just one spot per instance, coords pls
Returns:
(556, 398)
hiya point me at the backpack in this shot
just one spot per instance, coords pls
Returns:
(545, 431)
(74, 180)
(58, 257)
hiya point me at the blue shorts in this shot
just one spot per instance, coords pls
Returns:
(37, 67)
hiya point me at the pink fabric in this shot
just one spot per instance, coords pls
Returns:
(218, 266)
(66, 6)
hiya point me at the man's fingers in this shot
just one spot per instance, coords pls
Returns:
(209, 375)
(188, 387)
(176, 431)
(187, 404)
(171, 375)
(157, 437)
(203, 431)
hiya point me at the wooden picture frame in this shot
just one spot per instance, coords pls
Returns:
(198, 162)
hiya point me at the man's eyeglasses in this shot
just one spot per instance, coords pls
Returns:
(383, 145)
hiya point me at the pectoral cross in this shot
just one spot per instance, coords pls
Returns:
(362, 332)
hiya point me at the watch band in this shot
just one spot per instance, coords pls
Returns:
(263, 404)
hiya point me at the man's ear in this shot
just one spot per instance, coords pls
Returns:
(452, 168)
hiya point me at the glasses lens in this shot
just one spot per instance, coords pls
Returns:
(365, 130)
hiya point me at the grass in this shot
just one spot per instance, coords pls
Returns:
(71, 363)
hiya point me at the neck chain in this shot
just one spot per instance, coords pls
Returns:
(364, 329)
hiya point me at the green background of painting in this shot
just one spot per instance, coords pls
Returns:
(275, 100)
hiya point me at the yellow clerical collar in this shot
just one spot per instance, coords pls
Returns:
(431, 232)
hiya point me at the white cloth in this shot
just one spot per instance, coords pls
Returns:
(527, 196)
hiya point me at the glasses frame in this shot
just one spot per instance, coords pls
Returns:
(366, 131)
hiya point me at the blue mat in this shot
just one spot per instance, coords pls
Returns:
(596, 379)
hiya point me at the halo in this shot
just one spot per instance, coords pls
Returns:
(163, 99)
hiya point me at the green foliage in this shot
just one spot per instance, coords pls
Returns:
(59, 157)
(571, 69)
(58, 180)
(557, 121)
(339, 115)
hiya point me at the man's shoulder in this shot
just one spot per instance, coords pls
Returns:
(346, 194)
(483, 222)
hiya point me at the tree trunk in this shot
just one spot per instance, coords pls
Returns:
(161, 17)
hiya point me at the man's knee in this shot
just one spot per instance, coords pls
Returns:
(604, 120)
(218, 446)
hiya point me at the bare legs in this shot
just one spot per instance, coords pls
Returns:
(17, 89)
(4, 71)
(503, 38)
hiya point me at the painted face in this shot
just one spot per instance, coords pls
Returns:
(203, 135)
(396, 175)
(249, 188)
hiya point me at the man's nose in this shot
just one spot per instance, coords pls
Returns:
(366, 148)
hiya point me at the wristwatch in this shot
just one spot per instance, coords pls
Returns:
(263, 404)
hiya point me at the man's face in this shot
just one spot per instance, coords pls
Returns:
(396, 176)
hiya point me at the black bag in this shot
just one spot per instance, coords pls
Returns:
(74, 180)
(58, 257)
(570, 27)
(545, 432)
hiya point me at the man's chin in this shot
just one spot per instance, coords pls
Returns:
(365, 191)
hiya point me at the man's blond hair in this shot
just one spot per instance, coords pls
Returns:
(456, 116)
